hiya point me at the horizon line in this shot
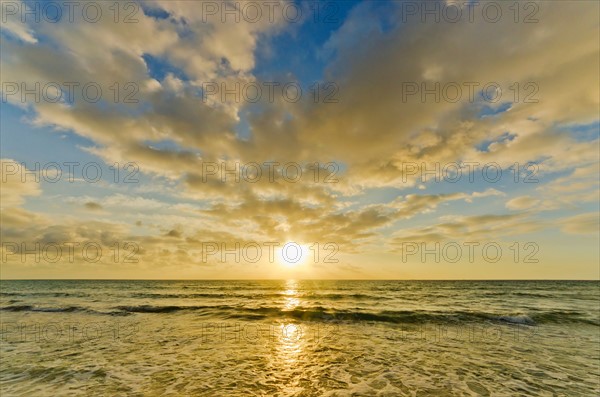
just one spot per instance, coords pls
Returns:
(285, 279)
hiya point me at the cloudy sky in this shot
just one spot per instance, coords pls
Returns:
(389, 140)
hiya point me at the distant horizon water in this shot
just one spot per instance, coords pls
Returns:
(295, 279)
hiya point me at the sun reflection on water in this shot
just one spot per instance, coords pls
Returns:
(291, 300)
(291, 344)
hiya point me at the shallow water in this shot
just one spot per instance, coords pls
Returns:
(300, 338)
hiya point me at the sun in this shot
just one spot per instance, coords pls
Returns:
(292, 254)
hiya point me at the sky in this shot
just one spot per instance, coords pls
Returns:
(318, 140)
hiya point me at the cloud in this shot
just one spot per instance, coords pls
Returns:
(90, 205)
(174, 233)
(370, 133)
(522, 203)
(17, 183)
(476, 228)
(12, 25)
(588, 223)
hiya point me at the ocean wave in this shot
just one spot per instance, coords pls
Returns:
(319, 313)
(254, 296)
(519, 319)
(152, 309)
(564, 317)
(266, 296)
(29, 308)
(45, 294)
(17, 308)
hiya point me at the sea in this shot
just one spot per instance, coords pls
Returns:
(299, 338)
